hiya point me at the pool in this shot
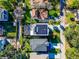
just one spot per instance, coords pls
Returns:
(3, 43)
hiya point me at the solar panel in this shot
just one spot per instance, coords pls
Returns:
(41, 29)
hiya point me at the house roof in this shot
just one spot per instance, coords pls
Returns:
(36, 56)
(39, 29)
(40, 14)
(3, 15)
(39, 44)
(38, 1)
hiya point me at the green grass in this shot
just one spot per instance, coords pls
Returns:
(11, 34)
(54, 51)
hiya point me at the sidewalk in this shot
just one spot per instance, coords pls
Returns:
(62, 38)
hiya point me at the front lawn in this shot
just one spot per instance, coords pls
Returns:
(11, 34)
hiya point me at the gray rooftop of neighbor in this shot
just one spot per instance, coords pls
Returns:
(3, 15)
(39, 44)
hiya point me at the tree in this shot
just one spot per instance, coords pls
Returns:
(73, 3)
(72, 53)
(8, 51)
(72, 35)
(55, 3)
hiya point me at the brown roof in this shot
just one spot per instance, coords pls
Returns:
(33, 12)
(41, 13)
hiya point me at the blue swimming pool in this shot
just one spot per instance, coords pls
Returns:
(3, 43)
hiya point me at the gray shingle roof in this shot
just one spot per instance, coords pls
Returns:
(38, 44)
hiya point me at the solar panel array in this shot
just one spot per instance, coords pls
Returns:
(41, 29)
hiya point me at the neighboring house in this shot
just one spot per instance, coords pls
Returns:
(3, 15)
(41, 14)
(40, 9)
(38, 56)
(4, 58)
(39, 45)
(26, 30)
(1, 30)
(33, 2)
(41, 4)
(39, 29)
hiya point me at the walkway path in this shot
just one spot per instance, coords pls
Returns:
(62, 38)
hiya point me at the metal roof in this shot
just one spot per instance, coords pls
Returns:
(3, 15)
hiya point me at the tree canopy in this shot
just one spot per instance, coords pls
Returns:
(72, 36)
(73, 3)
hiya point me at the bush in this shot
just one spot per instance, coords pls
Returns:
(11, 35)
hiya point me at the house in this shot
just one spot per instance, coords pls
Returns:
(39, 9)
(41, 14)
(1, 30)
(39, 29)
(39, 45)
(4, 58)
(3, 14)
(33, 2)
(38, 56)
(26, 30)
